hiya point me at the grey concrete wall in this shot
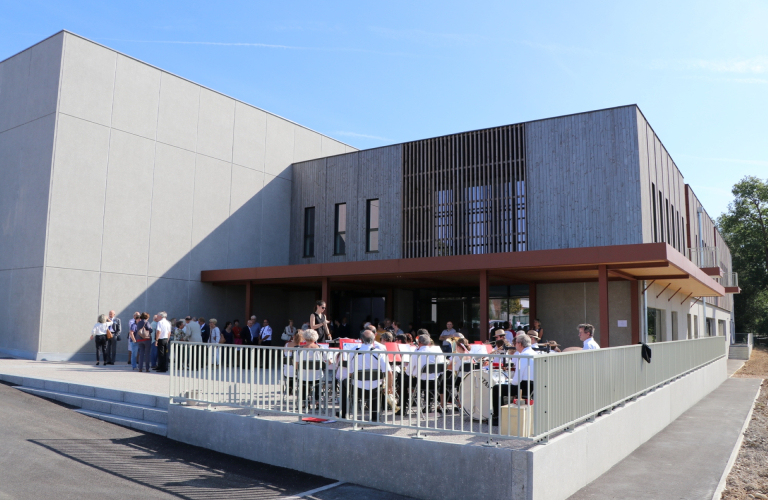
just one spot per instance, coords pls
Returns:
(574, 459)
(352, 179)
(582, 180)
(354, 456)
(154, 179)
(29, 85)
(561, 307)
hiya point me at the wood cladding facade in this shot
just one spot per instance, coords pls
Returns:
(465, 194)
(351, 178)
(582, 176)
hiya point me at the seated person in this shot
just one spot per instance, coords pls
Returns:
(419, 376)
(521, 384)
(361, 377)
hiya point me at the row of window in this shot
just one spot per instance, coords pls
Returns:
(668, 225)
(340, 228)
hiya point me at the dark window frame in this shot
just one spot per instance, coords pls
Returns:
(655, 223)
(368, 227)
(309, 233)
(339, 233)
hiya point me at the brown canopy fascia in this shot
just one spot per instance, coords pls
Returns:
(649, 261)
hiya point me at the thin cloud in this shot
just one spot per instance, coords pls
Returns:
(428, 37)
(753, 65)
(259, 45)
(557, 48)
(759, 163)
(363, 136)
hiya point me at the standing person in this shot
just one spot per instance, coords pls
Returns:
(266, 333)
(99, 335)
(256, 331)
(133, 349)
(319, 322)
(112, 342)
(236, 330)
(193, 329)
(396, 330)
(449, 333)
(289, 332)
(343, 330)
(214, 338)
(538, 329)
(143, 339)
(162, 335)
(153, 348)
(228, 333)
(205, 330)
(585, 335)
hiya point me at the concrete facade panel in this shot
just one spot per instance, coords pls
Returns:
(178, 113)
(128, 204)
(31, 192)
(14, 81)
(216, 125)
(23, 328)
(88, 78)
(276, 221)
(308, 145)
(70, 309)
(208, 301)
(210, 213)
(44, 74)
(171, 220)
(77, 197)
(250, 136)
(6, 333)
(169, 295)
(125, 294)
(331, 147)
(244, 222)
(25, 169)
(137, 92)
(279, 147)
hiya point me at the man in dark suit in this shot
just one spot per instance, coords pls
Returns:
(112, 343)
(343, 329)
(245, 333)
(205, 330)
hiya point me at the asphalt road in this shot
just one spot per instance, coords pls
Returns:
(48, 451)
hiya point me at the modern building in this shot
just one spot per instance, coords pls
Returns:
(126, 187)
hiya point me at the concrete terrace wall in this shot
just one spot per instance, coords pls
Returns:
(29, 85)
(154, 179)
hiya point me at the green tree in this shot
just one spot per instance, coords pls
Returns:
(745, 228)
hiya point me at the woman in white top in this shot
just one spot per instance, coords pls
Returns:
(99, 333)
(288, 368)
(215, 338)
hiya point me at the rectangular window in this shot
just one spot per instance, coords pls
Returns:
(661, 217)
(309, 232)
(674, 326)
(655, 223)
(340, 230)
(372, 226)
(669, 235)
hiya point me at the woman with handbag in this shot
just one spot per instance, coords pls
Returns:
(143, 338)
(288, 332)
(99, 334)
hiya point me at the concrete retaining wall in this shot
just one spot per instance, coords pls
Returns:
(430, 469)
(740, 351)
(572, 460)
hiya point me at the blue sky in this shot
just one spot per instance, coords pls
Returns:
(372, 74)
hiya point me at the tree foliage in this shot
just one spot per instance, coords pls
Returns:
(745, 228)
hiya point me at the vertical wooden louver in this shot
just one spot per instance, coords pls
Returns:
(465, 194)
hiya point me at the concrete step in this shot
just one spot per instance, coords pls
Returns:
(139, 425)
(140, 398)
(134, 411)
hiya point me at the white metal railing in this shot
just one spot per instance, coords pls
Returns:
(704, 256)
(580, 385)
(431, 391)
(730, 280)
